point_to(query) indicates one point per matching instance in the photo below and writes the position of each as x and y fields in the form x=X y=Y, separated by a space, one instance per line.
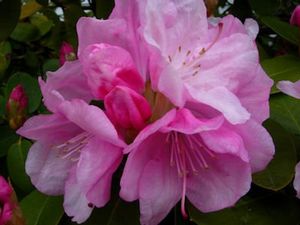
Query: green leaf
x=39 y=209
x=285 y=110
x=25 y=32
x=31 y=87
x=7 y=138
x=42 y=22
x=265 y=7
x=50 y=65
x=283 y=29
x=5 y=51
x=103 y=8
x=262 y=209
x=16 y=157
x=281 y=169
x=282 y=68
x=29 y=9
x=9 y=16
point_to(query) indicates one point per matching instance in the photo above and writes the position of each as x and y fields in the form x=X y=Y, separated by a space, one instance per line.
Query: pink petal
x=91 y=119
x=107 y=66
x=258 y=142
x=297 y=180
x=126 y=108
x=47 y=170
x=159 y=189
x=98 y=161
x=224 y=101
x=52 y=129
x=289 y=88
x=65 y=84
x=252 y=28
x=75 y=203
x=225 y=141
x=295 y=18
x=226 y=180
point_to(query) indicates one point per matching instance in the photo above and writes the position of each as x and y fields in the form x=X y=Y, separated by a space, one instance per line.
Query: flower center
x=188 y=154
x=71 y=149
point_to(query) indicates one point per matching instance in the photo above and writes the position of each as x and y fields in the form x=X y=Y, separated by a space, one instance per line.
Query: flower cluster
x=184 y=96
x=6 y=204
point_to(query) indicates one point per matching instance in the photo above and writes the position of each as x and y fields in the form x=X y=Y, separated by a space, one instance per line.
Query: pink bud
x=126 y=108
x=16 y=107
x=295 y=18
x=6 y=205
x=66 y=53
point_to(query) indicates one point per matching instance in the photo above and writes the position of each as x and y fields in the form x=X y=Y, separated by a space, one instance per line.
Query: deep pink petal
x=295 y=18
x=76 y=204
x=160 y=188
x=107 y=66
x=297 y=180
x=52 y=129
x=65 y=84
x=226 y=180
x=290 y=88
x=126 y=108
x=47 y=169
x=91 y=119
x=98 y=161
x=258 y=143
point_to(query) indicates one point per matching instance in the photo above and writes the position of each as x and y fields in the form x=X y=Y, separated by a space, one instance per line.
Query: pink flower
x=66 y=53
x=77 y=150
x=16 y=107
x=289 y=88
x=297 y=180
x=6 y=204
x=295 y=18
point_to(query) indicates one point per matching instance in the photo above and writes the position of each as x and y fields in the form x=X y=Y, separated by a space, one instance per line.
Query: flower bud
x=17 y=107
x=66 y=53
x=295 y=18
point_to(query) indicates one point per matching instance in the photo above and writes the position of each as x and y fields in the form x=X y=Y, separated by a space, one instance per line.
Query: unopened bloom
x=16 y=107
x=295 y=18
x=77 y=150
x=66 y=53
x=6 y=204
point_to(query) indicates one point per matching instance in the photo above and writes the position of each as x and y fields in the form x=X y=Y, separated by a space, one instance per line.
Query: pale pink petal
x=52 y=129
x=76 y=204
x=170 y=24
x=224 y=101
x=290 y=88
x=47 y=169
x=98 y=161
x=91 y=119
x=69 y=82
x=258 y=143
x=126 y=108
x=297 y=180
x=225 y=141
x=107 y=66
x=252 y=28
x=225 y=181
x=160 y=188
x=135 y=164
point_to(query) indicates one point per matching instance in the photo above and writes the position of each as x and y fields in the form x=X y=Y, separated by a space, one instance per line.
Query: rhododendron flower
x=6 y=204
x=295 y=18
x=77 y=150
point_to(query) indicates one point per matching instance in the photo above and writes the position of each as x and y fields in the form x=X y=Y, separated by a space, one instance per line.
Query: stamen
x=220 y=26
x=170 y=59
x=179 y=49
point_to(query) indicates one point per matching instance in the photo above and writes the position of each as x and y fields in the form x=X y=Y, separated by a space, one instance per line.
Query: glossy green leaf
x=282 y=68
x=103 y=8
x=263 y=209
x=25 y=32
x=5 y=51
x=285 y=110
x=43 y=24
x=16 y=157
x=283 y=29
x=29 y=8
x=9 y=16
x=281 y=170
x=50 y=65
x=265 y=7
x=31 y=87
x=7 y=138
x=39 y=209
